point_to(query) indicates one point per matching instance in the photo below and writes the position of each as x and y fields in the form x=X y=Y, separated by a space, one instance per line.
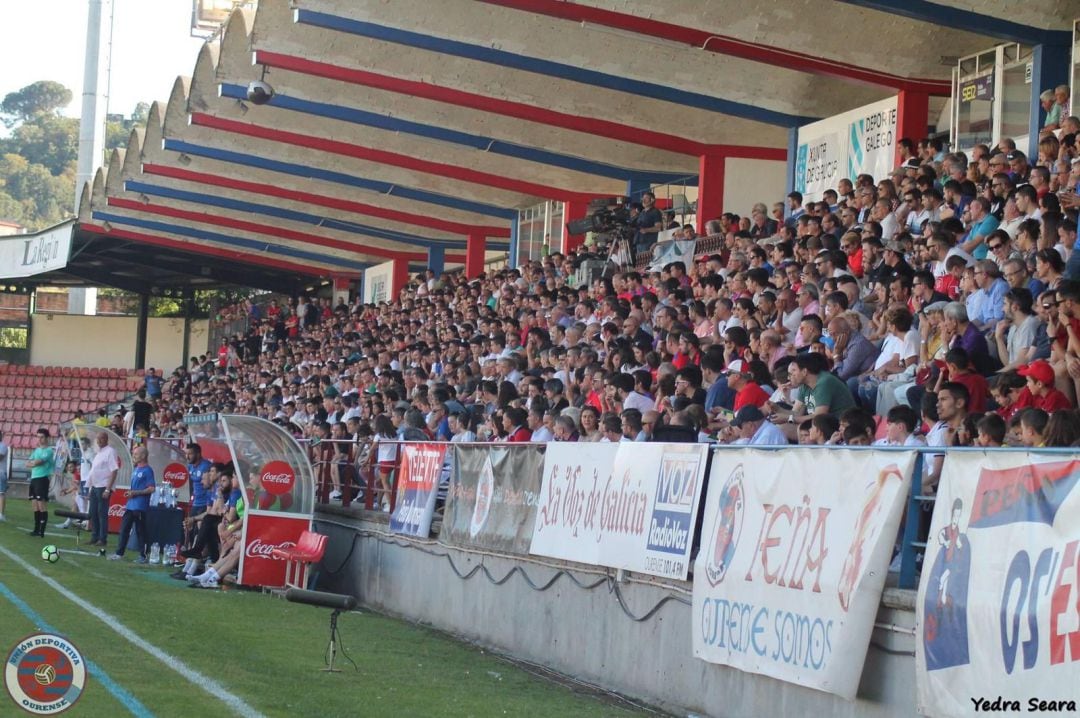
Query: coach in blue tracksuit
x=138 y=503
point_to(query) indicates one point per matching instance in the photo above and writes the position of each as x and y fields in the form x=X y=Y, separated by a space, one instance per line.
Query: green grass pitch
x=258 y=647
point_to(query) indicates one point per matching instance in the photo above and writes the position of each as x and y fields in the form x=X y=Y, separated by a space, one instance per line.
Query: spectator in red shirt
x=747 y=392
x=1040 y=383
x=958 y=370
x=688 y=352
x=514 y=420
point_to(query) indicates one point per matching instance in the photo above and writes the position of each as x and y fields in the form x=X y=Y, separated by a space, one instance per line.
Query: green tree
x=38 y=159
x=38 y=98
x=44 y=198
x=47 y=140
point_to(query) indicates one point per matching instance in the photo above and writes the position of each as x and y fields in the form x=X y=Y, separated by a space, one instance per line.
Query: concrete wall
x=586 y=634
x=747 y=182
x=66 y=340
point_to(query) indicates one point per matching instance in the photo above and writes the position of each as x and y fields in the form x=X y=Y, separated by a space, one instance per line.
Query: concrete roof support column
x=912 y=117
x=636 y=187
x=436 y=259
x=399 y=278
x=1049 y=68
x=474 y=255
x=710 y=204
x=140 y=331
x=573 y=211
x=792 y=159
x=512 y=259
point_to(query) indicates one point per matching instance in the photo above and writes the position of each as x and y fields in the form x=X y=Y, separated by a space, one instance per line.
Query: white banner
x=794 y=550
x=998 y=613
x=860 y=141
x=378 y=283
x=820 y=162
x=625 y=505
x=681 y=250
x=25 y=255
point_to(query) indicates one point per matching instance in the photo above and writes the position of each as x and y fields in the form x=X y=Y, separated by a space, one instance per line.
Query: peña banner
x=417 y=485
x=795 y=546
x=493 y=495
x=625 y=505
x=998 y=613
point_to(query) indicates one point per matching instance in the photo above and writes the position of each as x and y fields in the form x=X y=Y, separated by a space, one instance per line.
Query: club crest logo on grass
x=45 y=674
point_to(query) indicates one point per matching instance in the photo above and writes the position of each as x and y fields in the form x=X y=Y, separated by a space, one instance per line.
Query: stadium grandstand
x=760 y=325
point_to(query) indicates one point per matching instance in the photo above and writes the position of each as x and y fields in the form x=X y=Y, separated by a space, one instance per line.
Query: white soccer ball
x=50 y=554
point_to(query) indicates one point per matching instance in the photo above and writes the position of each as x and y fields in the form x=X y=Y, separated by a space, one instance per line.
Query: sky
x=46 y=40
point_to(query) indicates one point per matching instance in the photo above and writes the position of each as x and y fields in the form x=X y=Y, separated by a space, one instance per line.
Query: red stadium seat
x=308 y=550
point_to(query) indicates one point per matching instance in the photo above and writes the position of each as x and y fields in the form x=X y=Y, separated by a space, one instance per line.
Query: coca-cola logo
x=259 y=549
x=175 y=475
x=277 y=478
x=116 y=510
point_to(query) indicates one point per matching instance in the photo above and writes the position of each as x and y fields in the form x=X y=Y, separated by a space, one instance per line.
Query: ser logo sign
x=45 y=674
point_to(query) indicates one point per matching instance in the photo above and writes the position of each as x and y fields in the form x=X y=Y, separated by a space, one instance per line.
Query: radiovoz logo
x=727 y=525
x=45 y=674
x=259 y=549
x=670 y=527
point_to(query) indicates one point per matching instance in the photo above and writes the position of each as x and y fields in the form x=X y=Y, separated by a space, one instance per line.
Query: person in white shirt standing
x=103 y=470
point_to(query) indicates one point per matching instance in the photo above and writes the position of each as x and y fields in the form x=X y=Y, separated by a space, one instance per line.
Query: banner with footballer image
x=795 y=546
x=998 y=612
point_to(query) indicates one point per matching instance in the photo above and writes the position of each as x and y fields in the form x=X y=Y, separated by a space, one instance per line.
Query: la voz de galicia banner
x=624 y=505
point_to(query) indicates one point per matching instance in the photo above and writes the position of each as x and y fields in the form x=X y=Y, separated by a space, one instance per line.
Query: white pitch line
x=206 y=683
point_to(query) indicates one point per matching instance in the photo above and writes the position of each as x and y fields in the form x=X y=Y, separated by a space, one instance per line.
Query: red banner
x=117 y=507
x=263 y=534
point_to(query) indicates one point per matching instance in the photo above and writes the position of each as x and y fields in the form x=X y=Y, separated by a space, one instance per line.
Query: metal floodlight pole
x=91 y=121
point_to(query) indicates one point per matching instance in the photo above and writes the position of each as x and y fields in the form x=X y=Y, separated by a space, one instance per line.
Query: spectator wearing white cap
x=740 y=380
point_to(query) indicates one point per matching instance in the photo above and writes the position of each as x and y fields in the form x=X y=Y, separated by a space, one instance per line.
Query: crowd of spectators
x=939 y=305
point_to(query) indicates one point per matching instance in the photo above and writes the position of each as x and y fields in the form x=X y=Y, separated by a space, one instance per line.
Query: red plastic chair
x=308 y=550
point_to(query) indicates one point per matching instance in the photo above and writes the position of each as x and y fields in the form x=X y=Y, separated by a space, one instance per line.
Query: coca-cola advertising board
x=262 y=534
x=117 y=504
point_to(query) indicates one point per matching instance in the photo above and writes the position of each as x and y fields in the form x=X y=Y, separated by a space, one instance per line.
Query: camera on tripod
x=609 y=215
x=610 y=221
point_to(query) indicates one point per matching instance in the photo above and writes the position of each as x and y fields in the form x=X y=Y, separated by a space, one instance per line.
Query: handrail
x=918 y=503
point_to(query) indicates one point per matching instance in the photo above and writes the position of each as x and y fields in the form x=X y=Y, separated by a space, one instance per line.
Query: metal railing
x=911 y=541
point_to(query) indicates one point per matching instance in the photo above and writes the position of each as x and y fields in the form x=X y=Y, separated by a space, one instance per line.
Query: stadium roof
x=399 y=127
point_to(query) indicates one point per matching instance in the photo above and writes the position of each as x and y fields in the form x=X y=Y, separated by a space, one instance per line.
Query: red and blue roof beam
x=725 y=45
x=622 y=132
x=384 y=157
x=549 y=68
x=342 y=178
x=254 y=247
x=345 y=205
x=1051 y=49
x=958 y=18
x=485 y=144
x=261 y=260
x=238 y=205
x=271 y=230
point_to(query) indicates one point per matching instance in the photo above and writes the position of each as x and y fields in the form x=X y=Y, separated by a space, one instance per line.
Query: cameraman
x=648 y=222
